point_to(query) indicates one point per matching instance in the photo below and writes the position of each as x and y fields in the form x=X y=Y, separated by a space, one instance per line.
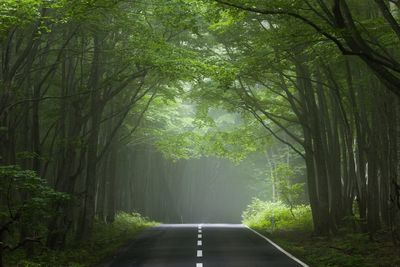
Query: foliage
x=184 y=129
x=27 y=202
x=277 y=216
x=107 y=239
x=289 y=192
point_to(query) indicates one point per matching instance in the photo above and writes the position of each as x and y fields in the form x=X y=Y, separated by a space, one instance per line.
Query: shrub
x=277 y=216
x=26 y=201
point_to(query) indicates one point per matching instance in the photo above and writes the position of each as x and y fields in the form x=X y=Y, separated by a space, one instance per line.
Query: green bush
x=125 y=224
x=277 y=216
x=26 y=201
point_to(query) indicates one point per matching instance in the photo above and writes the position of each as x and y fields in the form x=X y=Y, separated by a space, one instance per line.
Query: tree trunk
x=85 y=226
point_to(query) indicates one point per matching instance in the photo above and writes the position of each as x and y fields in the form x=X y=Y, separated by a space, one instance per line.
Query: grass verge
x=345 y=250
x=292 y=230
x=106 y=240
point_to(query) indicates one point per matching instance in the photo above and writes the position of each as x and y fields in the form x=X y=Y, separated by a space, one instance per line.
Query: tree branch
x=329 y=36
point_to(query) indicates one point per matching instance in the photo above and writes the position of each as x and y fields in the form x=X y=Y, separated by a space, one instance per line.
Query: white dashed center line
x=199 y=243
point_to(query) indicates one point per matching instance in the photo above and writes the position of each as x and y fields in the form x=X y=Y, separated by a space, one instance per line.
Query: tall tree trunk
x=85 y=226
x=111 y=183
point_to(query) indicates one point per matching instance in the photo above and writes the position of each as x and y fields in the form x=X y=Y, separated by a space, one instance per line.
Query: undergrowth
x=106 y=240
x=277 y=216
x=292 y=230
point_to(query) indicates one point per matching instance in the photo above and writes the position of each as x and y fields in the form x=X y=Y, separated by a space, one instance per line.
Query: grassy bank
x=345 y=250
x=292 y=230
x=106 y=240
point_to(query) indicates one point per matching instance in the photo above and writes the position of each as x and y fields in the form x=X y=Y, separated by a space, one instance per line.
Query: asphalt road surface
x=203 y=245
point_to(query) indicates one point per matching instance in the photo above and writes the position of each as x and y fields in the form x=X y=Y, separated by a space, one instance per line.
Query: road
x=204 y=245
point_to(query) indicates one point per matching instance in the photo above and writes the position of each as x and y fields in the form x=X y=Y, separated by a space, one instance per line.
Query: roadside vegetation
x=292 y=230
x=107 y=240
x=275 y=217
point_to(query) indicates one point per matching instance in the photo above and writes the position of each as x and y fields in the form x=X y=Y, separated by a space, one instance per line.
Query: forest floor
x=107 y=240
x=346 y=250
x=292 y=230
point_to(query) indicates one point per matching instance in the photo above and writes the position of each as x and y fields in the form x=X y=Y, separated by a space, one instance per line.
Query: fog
x=204 y=190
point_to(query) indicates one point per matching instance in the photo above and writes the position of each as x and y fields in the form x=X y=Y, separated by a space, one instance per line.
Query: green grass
x=294 y=234
x=346 y=250
x=106 y=240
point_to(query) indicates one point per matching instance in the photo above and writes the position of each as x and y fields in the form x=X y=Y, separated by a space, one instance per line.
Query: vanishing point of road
x=203 y=245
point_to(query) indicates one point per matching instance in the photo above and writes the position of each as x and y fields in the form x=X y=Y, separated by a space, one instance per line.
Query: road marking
x=199 y=243
x=278 y=247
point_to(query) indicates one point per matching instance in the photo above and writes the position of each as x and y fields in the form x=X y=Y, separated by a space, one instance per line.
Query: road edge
x=277 y=246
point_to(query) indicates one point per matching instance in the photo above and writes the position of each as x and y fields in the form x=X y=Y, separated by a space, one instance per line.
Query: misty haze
x=199 y=133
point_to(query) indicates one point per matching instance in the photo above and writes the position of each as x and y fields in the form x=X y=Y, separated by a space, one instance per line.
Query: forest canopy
x=97 y=97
